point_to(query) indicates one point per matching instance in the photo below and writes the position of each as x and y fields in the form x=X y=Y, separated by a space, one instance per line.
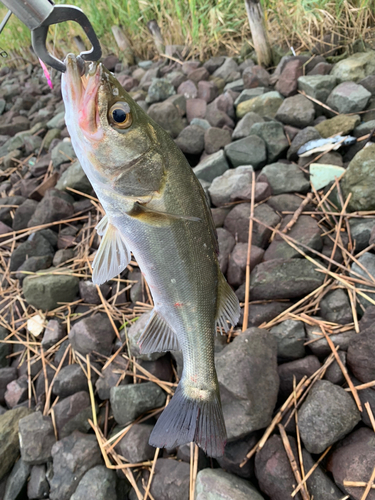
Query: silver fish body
x=156 y=208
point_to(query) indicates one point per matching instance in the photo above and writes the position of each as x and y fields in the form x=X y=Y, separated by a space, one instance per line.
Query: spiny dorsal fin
x=228 y=307
x=158 y=336
x=112 y=256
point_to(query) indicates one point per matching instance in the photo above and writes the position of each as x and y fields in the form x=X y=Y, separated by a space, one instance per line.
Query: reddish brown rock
x=287 y=84
x=195 y=108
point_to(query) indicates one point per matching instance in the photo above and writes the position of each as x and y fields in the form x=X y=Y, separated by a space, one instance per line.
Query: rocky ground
x=76 y=394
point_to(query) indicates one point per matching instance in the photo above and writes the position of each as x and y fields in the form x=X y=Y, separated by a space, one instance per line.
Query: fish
x=155 y=208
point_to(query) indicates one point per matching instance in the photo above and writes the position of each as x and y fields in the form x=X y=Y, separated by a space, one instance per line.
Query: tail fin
x=185 y=420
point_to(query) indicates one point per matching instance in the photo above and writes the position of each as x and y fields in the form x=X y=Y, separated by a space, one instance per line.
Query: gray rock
x=89 y=293
x=5 y=350
x=251 y=151
x=159 y=90
x=130 y=401
x=237 y=263
x=320 y=346
x=231 y=181
x=9 y=443
x=366 y=396
x=226 y=244
x=355 y=67
x=134 y=333
x=72 y=414
x=17 y=391
x=286 y=203
x=335 y=307
x=74 y=177
x=33 y=264
x=36 y=438
x=334 y=373
x=348 y=97
x=290 y=337
x=248 y=400
x=53 y=333
x=359 y=179
x=134 y=445
x=360 y=356
x=6 y=376
x=364 y=128
x=226 y=69
x=285 y=178
x=201 y=122
x=244 y=125
x=273 y=135
x=317 y=86
x=92 y=334
x=99 y=483
x=215 y=484
x=56 y=205
x=265 y=105
x=214 y=63
x=70 y=380
x=62 y=256
x=35 y=246
x=72 y=457
x=38 y=486
x=110 y=378
x=23 y=214
x=249 y=94
x=306 y=231
x=327 y=415
x=297 y=111
x=62 y=153
x=211 y=167
x=45 y=291
x=215 y=139
x=296 y=370
x=262 y=313
x=17 y=480
x=191 y=140
x=367 y=260
x=167 y=115
x=304 y=136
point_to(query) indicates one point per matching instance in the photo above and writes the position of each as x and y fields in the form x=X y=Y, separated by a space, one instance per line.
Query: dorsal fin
x=157 y=336
x=112 y=256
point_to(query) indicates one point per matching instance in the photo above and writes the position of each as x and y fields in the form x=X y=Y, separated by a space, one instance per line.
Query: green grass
x=208 y=26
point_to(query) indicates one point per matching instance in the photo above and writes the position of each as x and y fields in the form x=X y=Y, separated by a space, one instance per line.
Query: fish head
x=114 y=139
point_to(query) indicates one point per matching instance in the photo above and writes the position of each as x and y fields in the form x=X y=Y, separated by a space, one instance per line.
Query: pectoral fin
x=151 y=216
x=228 y=307
x=157 y=336
x=112 y=256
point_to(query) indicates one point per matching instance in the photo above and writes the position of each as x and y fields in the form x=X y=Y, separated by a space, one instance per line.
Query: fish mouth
x=81 y=85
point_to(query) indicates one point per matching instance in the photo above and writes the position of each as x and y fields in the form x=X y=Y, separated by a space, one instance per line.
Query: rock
x=355 y=67
x=62 y=153
x=167 y=116
x=134 y=445
x=110 y=378
x=277 y=480
x=248 y=400
x=180 y=102
x=70 y=380
x=255 y=76
x=287 y=83
x=53 y=207
x=237 y=223
x=199 y=74
x=335 y=307
x=207 y=91
x=9 y=443
x=130 y=401
x=222 y=187
x=226 y=243
x=17 y=391
x=249 y=94
x=359 y=180
x=364 y=128
x=201 y=122
x=361 y=230
x=72 y=414
x=37 y=486
x=360 y=357
x=5 y=350
x=218 y=215
x=53 y=333
x=92 y=334
x=99 y=483
x=296 y=370
x=215 y=139
x=72 y=457
x=305 y=231
x=23 y=214
x=62 y=256
x=297 y=111
x=320 y=347
x=89 y=293
x=214 y=63
x=159 y=90
x=348 y=97
x=211 y=167
x=273 y=135
x=327 y=415
x=237 y=263
x=191 y=140
x=46 y=291
x=17 y=480
x=262 y=191
x=354 y=461
x=262 y=313
x=367 y=260
x=224 y=70
x=285 y=178
x=196 y=108
x=304 y=136
x=317 y=86
x=340 y=124
x=189 y=66
x=74 y=177
x=33 y=264
x=216 y=116
x=250 y=150
x=322 y=68
x=334 y=373
x=322 y=174
x=234 y=453
x=290 y=337
x=7 y=375
x=244 y=125
x=36 y=438
x=215 y=484
x=188 y=89
x=265 y=105
x=35 y=246
x=134 y=333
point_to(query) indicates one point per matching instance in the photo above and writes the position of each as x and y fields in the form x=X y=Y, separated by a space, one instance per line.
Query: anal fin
x=112 y=256
x=228 y=307
x=158 y=336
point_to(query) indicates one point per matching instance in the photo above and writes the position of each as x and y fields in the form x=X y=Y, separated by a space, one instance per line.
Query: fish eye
x=119 y=115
